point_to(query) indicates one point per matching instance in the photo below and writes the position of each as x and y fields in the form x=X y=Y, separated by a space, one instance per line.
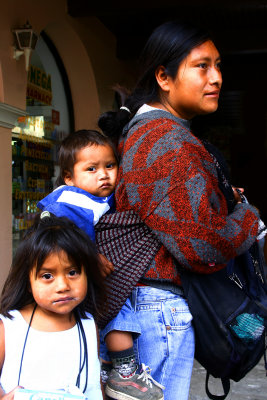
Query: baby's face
x=95 y=170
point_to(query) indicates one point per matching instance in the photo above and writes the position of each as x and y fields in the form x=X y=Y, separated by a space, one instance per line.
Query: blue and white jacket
x=81 y=207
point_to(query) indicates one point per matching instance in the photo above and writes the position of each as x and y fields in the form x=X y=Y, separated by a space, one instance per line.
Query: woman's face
x=195 y=89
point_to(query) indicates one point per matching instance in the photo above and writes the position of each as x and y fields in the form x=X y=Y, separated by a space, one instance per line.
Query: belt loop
x=133 y=298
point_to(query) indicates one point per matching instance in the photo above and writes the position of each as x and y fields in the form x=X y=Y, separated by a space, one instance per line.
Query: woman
x=169 y=178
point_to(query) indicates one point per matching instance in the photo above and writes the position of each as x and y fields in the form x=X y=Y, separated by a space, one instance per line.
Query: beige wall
x=80 y=73
x=87 y=50
x=108 y=70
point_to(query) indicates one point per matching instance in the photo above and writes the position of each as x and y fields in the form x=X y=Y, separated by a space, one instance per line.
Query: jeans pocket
x=178 y=316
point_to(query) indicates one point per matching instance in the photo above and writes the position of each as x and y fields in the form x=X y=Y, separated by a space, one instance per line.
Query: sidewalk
x=252 y=387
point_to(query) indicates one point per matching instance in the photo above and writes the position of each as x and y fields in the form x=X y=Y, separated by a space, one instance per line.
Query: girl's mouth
x=63 y=300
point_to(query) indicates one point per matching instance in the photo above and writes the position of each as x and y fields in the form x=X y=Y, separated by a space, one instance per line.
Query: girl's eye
x=47 y=276
x=91 y=169
x=73 y=272
x=219 y=65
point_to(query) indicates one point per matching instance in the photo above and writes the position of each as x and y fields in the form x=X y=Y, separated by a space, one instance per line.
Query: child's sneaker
x=105 y=371
x=139 y=385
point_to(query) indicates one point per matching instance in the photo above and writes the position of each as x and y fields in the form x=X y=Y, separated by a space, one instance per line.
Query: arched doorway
x=36 y=136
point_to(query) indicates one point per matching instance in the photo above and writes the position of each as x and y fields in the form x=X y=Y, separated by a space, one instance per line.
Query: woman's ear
x=162 y=78
x=68 y=178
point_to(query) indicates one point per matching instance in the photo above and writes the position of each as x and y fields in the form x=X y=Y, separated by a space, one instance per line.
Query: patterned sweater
x=170 y=179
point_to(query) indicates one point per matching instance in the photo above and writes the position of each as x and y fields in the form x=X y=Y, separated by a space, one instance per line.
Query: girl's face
x=195 y=89
x=58 y=286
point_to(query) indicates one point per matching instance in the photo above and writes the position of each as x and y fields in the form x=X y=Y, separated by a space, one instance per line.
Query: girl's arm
x=3 y=395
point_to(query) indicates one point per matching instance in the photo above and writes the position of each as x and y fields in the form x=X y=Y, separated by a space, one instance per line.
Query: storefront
x=71 y=73
x=36 y=136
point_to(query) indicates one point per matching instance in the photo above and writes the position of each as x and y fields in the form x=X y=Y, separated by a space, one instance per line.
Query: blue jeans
x=166 y=343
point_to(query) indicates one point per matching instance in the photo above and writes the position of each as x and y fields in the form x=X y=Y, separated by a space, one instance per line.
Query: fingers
x=10 y=395
x=237 y=193
x=106 y=267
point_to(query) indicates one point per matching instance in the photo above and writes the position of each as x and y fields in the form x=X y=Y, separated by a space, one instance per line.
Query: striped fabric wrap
x=131 y=246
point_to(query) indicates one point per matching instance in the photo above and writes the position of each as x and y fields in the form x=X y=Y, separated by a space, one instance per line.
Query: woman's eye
x=203 y=65
x=47 y=276
x=219 y=65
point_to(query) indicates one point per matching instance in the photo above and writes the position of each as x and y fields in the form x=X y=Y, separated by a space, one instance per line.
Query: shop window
x=36 y=136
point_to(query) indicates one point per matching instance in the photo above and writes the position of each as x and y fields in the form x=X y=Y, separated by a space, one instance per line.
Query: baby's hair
x=48 y=235
x=75 y=142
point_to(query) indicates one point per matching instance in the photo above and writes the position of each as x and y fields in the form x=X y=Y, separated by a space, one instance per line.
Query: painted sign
x=39 y=86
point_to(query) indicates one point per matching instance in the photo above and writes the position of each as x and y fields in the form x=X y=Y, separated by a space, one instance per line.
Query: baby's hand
x=106 y=267
x=8 y=396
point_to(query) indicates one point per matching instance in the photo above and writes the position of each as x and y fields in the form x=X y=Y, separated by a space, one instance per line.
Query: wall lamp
x=26 y=40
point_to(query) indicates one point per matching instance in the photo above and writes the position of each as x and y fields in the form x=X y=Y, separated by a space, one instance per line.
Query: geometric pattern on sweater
x=170 y=180
x=195 y=185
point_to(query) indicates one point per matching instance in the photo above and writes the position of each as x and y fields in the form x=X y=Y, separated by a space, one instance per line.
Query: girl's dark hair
x=73 y=143
x=167 y=46
x=52 y=235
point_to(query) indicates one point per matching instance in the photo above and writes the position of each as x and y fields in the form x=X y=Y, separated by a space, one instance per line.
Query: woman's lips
x=213 y=94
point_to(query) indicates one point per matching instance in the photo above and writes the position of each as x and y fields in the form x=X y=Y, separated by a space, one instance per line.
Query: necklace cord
x=80 y=358
x=25 y=341
x=85 y=352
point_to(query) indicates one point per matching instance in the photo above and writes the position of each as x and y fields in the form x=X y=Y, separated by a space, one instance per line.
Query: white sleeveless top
x=51 y=359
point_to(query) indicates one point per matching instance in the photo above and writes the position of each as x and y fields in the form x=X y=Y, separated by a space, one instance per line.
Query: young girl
x=47 y=339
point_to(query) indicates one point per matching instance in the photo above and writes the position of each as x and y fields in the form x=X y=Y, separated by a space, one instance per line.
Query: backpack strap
x=264 y=354
x=225 y=385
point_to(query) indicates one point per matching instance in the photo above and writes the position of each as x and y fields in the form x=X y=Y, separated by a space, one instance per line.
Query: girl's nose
x=62 y=284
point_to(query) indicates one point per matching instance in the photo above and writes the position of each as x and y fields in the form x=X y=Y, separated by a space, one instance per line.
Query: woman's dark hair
x=75 y=142
x=50 y=235
x=167 y=46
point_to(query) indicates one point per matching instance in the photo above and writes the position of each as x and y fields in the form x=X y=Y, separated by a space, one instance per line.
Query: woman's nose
x=215 y=76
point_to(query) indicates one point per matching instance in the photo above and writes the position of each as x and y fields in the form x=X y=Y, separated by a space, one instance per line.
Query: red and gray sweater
x=170 y=180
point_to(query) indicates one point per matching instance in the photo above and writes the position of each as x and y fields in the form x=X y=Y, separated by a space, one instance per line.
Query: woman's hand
x=237 y=192
x=10 y=395
x=106 y=267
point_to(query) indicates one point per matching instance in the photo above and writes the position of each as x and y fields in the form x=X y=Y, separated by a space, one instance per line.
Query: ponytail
x=112 y=122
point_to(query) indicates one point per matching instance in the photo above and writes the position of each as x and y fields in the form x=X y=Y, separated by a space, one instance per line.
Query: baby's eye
x=91 y=169
x=47 y=276
x=111 y=165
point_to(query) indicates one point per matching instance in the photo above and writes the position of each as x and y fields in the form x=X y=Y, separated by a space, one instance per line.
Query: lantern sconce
x=26 y=40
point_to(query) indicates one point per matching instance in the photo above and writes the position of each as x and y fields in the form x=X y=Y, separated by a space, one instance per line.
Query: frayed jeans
x=163 y=337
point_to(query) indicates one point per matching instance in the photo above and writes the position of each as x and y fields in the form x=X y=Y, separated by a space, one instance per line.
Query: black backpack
x=229 y=309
